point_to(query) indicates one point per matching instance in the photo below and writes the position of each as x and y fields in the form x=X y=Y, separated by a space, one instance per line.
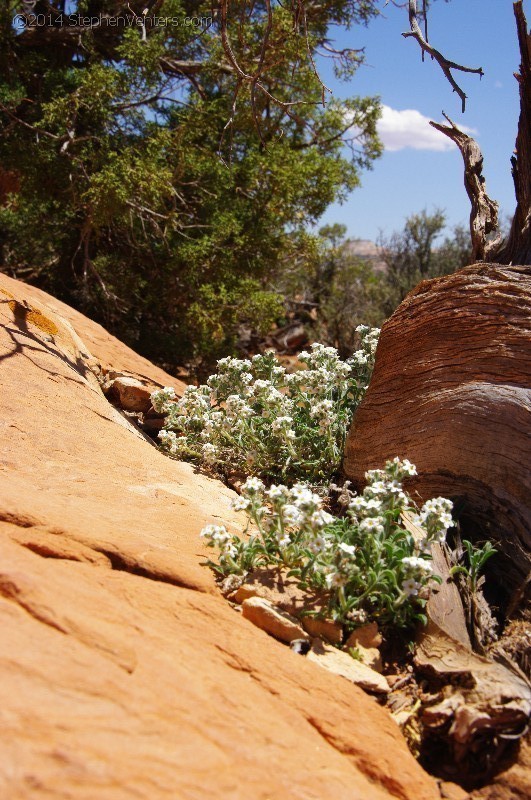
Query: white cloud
x=409 y=128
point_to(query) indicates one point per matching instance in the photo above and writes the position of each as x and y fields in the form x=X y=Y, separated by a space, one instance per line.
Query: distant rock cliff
x=366 y=250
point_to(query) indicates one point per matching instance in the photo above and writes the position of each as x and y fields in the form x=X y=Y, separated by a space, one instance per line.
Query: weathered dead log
x=451 y=391
x=479 y=708
x=481 y=711
x=474 y=709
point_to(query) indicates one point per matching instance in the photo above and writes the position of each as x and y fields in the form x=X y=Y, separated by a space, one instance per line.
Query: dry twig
x=446 y=65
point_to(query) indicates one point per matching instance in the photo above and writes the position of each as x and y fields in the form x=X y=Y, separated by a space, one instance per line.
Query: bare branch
x=227 y=47
x=443 y=62
x=484 y=213
x=149 y=211
x=309 y=51
x=174 y=66
x=38 y=131
x=229 y=125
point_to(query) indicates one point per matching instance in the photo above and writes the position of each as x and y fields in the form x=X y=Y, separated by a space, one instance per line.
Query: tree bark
x=451 y=391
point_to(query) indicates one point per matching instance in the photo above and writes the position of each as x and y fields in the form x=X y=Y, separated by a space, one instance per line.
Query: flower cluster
x=435 y=517
x=254 y=417
x=367 y=563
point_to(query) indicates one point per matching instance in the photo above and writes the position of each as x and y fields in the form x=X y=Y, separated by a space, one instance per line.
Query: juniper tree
x=155 y=189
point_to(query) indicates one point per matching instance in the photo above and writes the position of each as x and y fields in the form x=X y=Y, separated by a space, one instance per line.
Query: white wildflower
x=373 y=475
x=376 y=488
x=240 y=503
x=334 y=580
x=163 y=398
x=349 y=549
x=303 y=497
x=261 y=385
x=416 y=563
x=358 y=504
x=276 y=492
x=252 y=485
x=209 y=453
x=410 y=587
x=322 y=409
x=291 y=514
x=216 y=533
x=318 y=544
x=281 y=423
x=372 y=525
x=320 y=518
x=168 y=439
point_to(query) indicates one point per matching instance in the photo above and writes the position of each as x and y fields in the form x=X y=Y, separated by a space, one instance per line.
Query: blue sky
x=407 y=179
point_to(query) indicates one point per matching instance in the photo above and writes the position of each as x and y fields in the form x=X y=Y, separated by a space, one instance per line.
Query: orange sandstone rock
x=123 y=671
x=109 y=351
x=271 y=620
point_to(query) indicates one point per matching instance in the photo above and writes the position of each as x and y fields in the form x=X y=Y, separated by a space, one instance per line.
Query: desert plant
x=367 y=564
x=476 y=556
x=254 y=418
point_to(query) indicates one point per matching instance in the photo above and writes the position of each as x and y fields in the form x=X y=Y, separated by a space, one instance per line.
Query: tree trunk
x=517 y=248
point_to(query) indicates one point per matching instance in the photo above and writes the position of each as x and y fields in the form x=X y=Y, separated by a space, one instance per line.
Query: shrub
x=368 y=565
x=118 y=139
x=255 y=418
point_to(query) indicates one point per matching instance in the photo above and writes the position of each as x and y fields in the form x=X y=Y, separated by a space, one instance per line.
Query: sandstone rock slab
x=123 y=671
x=271 y=620
x=366 y=640
x=341 y=663
x=284 y=593
x=108 y=351
x=129 y=392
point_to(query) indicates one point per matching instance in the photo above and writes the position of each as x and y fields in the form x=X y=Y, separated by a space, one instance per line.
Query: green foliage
x=254 y=418
x=333 y=289
x=476 y=557
x=367 y=565
x=125 y=208
x=219 y=313
x=411 y=255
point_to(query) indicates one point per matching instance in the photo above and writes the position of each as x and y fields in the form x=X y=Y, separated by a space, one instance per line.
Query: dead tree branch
x=516 y=249
x=446 y=65
x=484 y=212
